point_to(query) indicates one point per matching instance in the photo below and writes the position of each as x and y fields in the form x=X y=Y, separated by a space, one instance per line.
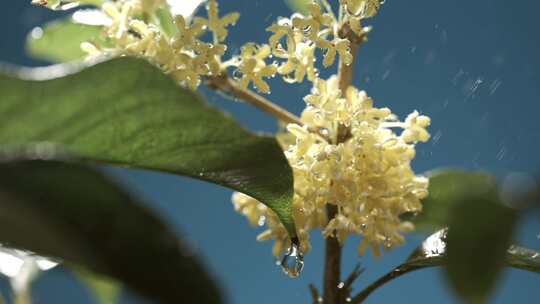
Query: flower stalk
x=229 y=86
x=333 y=249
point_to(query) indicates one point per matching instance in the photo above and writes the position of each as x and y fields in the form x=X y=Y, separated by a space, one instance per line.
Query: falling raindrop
x=494 y=86
x=293 y=262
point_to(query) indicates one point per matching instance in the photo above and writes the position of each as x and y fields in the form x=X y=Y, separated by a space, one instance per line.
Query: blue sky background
x=473 y=66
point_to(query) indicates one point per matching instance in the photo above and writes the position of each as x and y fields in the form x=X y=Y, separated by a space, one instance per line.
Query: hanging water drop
x=237 y=74
x=293 y=262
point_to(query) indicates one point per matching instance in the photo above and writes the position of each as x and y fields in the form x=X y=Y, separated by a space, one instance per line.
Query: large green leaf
x=448 y=188
x=433 y=253
x=60 y=40
x=72 y=212
x=127 y=112
x=479 y=235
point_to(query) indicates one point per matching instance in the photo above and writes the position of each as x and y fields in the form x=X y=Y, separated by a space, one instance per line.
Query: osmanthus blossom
x=355 y=159
x=183 y=55
x=367 y=176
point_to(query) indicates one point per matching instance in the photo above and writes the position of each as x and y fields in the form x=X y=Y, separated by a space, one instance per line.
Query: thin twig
x=227 y=85
x=397 y=272
x=346 y=289
x=314 y=294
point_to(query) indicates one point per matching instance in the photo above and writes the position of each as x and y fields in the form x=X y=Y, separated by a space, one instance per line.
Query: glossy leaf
x=74 y=213
x=446 y=189
x=480 y=233
x=433 y=253
x=128 y=113
x=60 y=41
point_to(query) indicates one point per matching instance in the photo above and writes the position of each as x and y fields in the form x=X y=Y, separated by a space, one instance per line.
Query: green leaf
x=104 y=289
x=166 y=21
x=480 y=233
x=433 y=253
x=127 y=112
x=60 y=40
x=72 y=212
x=299 y=5
x=448 y=188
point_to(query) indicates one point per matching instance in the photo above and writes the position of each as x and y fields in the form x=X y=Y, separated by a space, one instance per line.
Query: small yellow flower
x=300 y=62
x=208 y=58
x=361 y=8
x=280 y=29
x=120 y=15
x=336 y=46
x=216 y=24
x=187 y=36
x=313 y=23
x=253 y=67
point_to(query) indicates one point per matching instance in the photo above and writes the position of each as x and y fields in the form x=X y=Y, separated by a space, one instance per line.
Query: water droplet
x=36 y=33
x=341 y=285
x=293 y=262
x=261 y=221
x=324 y=132
x=237 y=74
x=289 y=78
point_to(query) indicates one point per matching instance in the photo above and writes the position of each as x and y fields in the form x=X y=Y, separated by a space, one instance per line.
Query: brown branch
x=227 y=85
x=332 y=264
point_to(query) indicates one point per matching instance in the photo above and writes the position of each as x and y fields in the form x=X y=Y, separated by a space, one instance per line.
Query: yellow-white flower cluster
x=135 y=30
x=364 y=172
x=295 y=40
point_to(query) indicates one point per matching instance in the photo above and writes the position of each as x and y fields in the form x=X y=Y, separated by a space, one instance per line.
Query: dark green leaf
x=127 y=112
x=479 y=235
x=60 y=41
x=432 y=253
x=69 y=211
x=446 y=189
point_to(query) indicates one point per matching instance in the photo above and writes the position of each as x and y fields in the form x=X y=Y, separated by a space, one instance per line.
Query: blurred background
x=472 y=66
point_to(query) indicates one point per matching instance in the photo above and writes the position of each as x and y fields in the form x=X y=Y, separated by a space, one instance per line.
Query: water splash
x=293 y=262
